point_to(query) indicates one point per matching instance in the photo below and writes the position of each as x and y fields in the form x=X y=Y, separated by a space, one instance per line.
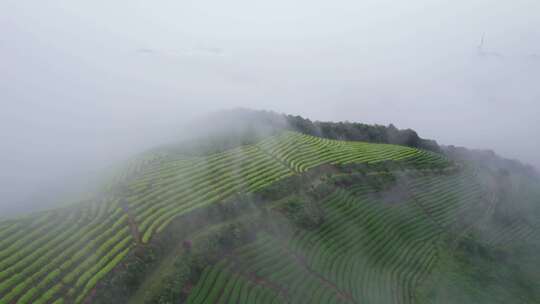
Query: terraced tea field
x=365 y=252
x=173 y=188
x=61 y=253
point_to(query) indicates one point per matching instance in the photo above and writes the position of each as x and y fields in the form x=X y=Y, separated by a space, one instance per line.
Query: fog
x=84 y=85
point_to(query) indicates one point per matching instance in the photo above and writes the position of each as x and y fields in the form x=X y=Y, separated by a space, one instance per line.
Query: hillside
x=281 y=215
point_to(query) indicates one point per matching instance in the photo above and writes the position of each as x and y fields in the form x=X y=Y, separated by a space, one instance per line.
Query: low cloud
x=534 y=56
x=146 y=51
x=191 y=51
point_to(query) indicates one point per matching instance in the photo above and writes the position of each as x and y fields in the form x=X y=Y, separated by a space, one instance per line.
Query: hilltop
x=272 y=208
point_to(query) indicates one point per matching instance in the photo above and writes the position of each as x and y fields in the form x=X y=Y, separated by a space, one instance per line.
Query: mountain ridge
x=205 y=215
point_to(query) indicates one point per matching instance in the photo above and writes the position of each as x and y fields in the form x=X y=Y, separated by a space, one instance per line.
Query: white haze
x=84 y=84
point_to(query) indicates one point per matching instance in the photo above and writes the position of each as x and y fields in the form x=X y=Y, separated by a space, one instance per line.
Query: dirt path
x=133 y=227
x=302 y=261
x=252 y=277
x=284 y=163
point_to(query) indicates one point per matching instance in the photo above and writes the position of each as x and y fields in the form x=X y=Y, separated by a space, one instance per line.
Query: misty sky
x=85 y=83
